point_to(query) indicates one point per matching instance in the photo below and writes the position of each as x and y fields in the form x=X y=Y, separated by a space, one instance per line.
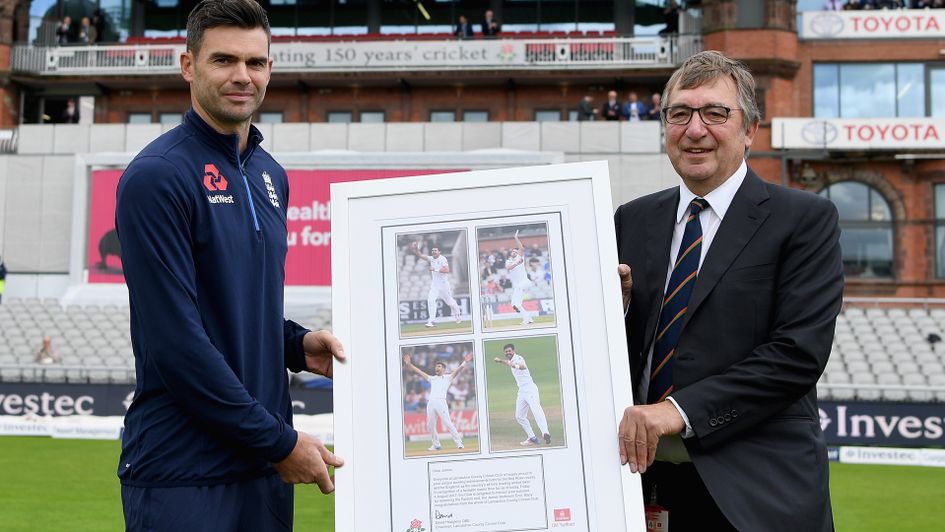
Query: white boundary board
x=576 y=482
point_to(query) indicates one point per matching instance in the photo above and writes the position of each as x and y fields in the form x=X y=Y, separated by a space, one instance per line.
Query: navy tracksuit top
x=203 y=241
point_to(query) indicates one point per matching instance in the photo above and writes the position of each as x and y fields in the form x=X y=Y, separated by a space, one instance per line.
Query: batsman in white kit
x=519 y=277
x=437 y=406
x=439 y=283
x=527 y=397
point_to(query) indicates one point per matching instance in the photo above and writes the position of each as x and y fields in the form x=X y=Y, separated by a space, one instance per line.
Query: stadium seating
x=878 y=353
x=92 y=343
x=886 y=351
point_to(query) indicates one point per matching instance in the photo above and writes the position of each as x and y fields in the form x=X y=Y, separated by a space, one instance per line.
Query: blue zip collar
x=229 y=144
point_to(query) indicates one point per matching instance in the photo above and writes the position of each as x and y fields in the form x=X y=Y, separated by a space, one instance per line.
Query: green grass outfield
x=541 y=357
x=58 y=485
x=516 y=323
x=55 y=485
x=444 y=326
x=421 y=447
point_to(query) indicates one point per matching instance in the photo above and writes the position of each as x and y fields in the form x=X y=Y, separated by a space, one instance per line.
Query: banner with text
x=57 y=399
x=880 y=24
x=465 y=420
x=308 y=214
x=874 y=423
x=396 y=55
x=858 y=134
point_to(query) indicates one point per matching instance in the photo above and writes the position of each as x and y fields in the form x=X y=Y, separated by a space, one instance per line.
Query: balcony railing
x=359 y=56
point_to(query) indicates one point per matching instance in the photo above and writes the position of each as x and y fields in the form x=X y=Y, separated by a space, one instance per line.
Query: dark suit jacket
x=611 y=112
x=754 y=342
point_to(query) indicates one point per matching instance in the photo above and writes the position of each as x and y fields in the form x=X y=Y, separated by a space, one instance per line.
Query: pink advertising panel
x=308 y=212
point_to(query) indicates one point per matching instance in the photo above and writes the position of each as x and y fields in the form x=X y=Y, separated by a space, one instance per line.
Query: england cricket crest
x=273 y=197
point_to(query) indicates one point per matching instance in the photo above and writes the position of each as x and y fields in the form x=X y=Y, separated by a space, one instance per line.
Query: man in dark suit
x=490 y=26
x=735 y=289
x=463 y=28
x=611 y=109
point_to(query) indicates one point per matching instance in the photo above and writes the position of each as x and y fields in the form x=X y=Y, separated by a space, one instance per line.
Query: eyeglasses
x=680 y=115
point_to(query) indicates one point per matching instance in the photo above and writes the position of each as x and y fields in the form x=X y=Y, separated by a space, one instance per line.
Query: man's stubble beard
x=213 y=101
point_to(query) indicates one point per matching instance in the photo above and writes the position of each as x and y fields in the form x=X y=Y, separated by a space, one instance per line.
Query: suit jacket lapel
x=659 y=238
x=743 y=218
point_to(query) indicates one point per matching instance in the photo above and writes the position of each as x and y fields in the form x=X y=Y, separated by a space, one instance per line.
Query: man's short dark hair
x=508 y=346
x=246 y=14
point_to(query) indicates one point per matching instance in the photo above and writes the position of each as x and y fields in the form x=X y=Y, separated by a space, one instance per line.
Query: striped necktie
x=675 y=304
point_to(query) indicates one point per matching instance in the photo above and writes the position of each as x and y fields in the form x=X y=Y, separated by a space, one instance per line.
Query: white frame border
x=342 y=194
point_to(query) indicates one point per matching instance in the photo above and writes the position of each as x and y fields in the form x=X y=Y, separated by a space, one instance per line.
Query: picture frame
x=473 y=399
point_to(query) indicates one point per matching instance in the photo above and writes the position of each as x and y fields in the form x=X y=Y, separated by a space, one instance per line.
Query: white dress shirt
x=671 y=449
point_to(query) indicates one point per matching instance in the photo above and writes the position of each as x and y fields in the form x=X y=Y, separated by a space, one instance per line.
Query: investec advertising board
x=858 y=133
x=57 y=400
x=887 y=424
x=880 y=24
x=308 y=213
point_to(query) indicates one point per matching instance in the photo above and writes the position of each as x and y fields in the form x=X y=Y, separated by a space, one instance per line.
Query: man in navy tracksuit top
x=208 y=441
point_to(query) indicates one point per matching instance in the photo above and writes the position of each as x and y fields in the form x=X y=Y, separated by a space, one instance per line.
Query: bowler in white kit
x=527 y=397
x=439 y=284
x=437 y=406
x=519 y=277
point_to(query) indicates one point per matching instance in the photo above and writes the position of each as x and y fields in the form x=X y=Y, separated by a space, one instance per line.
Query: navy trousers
x=261 y=505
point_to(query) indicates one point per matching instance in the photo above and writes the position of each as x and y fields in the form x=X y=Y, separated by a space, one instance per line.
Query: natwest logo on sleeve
x=213 y=179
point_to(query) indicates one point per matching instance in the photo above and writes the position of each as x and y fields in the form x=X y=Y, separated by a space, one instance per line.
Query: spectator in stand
x=46 y=353
x=412 y=401
x=671 y=17
x=492 y=287
x=633 y=110
x=505 y=282
x=611 y=109
x=655 y=108
x=70 y=115
x=851 y=5
x=487 y=262
x=64 y=31
x=98 y=22
x=463 y=28
x=500 y=256
x=833 y=5
x=490 y=26
x=586 y=109
x=87 y=32
x=3 y=278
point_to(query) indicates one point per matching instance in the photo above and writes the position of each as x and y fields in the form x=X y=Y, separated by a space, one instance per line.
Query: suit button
x=727 y=417
x=734 y=414
x=720 y=419
x=713 y=422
